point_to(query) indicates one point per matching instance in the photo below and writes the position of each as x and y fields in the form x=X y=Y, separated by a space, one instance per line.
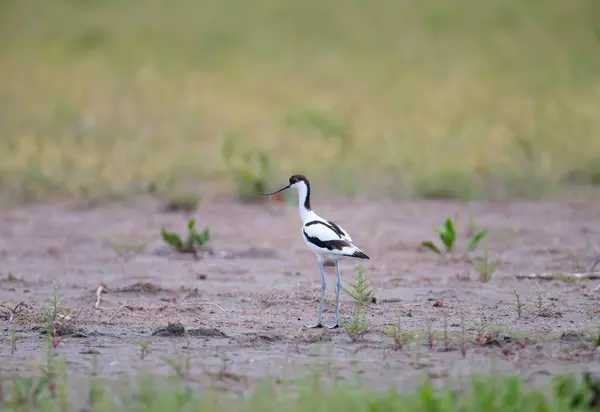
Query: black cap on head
x=298 y=178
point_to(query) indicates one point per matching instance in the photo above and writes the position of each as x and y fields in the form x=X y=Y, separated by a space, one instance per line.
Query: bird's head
x=295 y=182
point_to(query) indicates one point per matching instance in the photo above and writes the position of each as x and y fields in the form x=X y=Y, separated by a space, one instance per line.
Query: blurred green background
x=434 y=98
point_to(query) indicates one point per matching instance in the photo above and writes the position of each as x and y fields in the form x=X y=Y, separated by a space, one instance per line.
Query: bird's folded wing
x=325 y=231
x=339 y=229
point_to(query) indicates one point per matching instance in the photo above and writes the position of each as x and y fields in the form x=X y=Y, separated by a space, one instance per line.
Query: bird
x=326 y=239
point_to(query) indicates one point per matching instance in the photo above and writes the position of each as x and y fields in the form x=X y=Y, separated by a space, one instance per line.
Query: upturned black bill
x=277 y=191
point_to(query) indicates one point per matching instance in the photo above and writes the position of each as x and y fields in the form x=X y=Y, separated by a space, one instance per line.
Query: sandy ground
x=268 y=283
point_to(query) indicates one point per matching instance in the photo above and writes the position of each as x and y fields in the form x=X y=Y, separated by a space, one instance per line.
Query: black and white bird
x=328 y=241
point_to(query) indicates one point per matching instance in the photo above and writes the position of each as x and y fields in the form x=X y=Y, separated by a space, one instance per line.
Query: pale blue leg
x=338 y=298
x=319 y=323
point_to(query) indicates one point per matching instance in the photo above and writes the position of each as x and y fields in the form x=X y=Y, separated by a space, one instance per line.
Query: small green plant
x=144 y=348
x=193 y=242
x=448 y=237
x=446 y=339
x=60 y=320
x=542 y=308
x=538 y=301
x=519 y=305
x=462 y=338
x=13 y=337
x=484 y=266
x=249 y=169
x=11 y=314
x=53 y=316
x=397 y=333
x=126 y=250
x=362 y=294
x=430 y=337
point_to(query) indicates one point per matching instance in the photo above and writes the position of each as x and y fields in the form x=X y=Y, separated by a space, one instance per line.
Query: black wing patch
x=337 y=229
x=330 y=225
x=336 y=244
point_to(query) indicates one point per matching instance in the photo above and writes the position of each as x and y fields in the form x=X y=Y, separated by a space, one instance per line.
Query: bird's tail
x=359 y=254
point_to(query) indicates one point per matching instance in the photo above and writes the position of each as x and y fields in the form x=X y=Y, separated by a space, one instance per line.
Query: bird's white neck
x=304 y=202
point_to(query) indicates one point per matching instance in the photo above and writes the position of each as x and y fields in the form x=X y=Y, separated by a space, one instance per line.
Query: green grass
x=448 y=98
x=148 y=393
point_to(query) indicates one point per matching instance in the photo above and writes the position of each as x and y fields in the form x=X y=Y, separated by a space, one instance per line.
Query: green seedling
x=53 y=316
x=362 y=294
x=13 y=338
x=248 y=168
x=448 y=237
x=462 y=339
x=446 y=339
x=397 y=333
x=539 y=303
x=430 y=337
x=360 y=291
x=519 y=305
x=144 y=348
x=484 y=266
x=193 y=242
x=127 y=250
